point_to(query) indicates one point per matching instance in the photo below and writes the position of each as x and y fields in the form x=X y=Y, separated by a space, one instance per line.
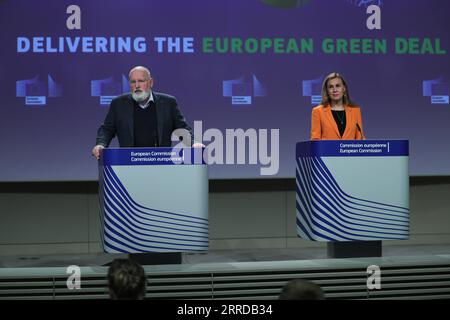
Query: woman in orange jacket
x=336 y=118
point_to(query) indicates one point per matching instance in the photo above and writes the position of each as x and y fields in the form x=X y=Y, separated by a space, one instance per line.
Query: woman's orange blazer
x=324 y=127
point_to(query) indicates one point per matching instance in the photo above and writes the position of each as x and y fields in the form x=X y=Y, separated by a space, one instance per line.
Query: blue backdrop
x=59 y=70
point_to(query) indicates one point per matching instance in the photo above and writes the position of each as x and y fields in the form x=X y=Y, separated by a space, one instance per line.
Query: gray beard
x=140 y=97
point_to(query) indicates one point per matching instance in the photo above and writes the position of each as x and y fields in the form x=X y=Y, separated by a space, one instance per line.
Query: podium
x=352 y=194
x=153 y=200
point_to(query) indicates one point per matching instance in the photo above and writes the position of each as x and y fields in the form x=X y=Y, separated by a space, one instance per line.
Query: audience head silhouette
x=126 y=280
x=299 y=289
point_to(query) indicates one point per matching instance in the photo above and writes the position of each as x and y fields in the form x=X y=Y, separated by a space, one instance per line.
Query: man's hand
x=198 y=145
x=96 y=151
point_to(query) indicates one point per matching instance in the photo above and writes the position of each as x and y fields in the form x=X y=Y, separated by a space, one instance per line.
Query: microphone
x=360 y=131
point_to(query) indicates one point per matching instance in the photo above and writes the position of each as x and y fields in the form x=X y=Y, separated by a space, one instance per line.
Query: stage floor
x=213 y=256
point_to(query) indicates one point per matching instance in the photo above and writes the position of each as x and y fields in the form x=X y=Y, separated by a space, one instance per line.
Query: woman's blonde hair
x=326 y=98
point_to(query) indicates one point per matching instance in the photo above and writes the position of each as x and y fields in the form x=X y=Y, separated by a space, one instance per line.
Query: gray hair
x=140 y=68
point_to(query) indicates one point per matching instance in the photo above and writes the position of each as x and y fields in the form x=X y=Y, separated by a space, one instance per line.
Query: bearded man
x=142 y=118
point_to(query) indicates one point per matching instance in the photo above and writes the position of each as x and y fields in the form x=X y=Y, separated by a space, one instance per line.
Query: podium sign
x=153 y=200
x=352 y=190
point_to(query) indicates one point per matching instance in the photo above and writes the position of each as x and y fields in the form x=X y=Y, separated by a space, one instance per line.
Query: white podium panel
x=354 y=190
x=153 y=200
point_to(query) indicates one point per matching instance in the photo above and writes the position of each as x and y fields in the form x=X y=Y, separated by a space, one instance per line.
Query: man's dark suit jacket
x=119 y=120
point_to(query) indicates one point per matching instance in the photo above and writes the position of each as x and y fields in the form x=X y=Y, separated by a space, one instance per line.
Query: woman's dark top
x=339 y=117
